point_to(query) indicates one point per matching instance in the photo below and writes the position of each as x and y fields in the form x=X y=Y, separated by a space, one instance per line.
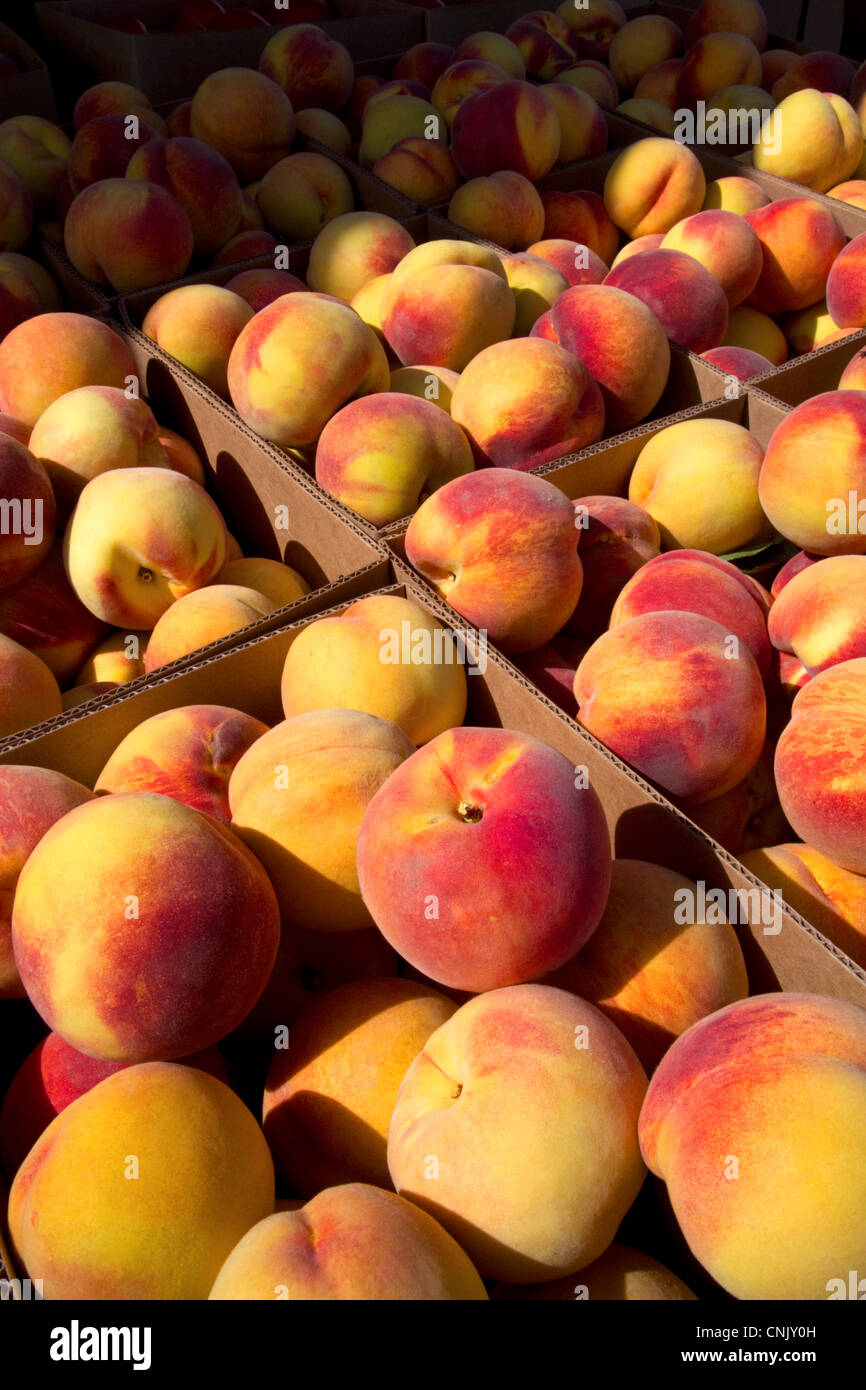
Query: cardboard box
x=27 y=92
x=166 y=66
x=82 y=295
x=815 y=372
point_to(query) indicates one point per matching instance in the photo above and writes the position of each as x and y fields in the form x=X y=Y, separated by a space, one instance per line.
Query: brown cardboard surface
x=29 y=91
x=815 y=372
x=80 y=294
x=166 y=66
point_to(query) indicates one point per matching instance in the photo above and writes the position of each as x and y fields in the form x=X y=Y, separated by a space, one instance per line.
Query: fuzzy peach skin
x=503 y=207
x=197 y=619
x=813 y=328
x=716 y=61
x=822 y=69
x=651 y=113
x=187 y=753
x=620 y=1275
x=16 y=218
x=774 y=63
x=312 y=68
x=128 y=236
x=32 y=799
x=526 y=402
x=500 y=546
x=853 y=377
x=423 y=170
x=594 y=25
x=206 y=1178
x=820 y=140
x=846 y=285
x=278 y=582
x=424 y=62
x=379 y=656
x=800 y=240
x=149 y=963
x=691 y=581
x=26 y=289
x=774 y=1082
x=202 y=181
x=432 y=847
x=393 y=118
x=726 y=245
x=733 y=193
x=261 y=287
x=461 y=80
x=756 y=332
x=382 y=454
x=832 y=899
x=107 y=97
x=580 y=216
x=354 y=249
x=652 y=185
x=820 y=764
x=52 y=1077
x=537 y=283
x=582 y=124
x=592 y=77
x=820 y=615
x=38 y=151
x=181 y=456
x=728 y=16
x=329 y=1096
x=15 y=429
x=430 y=383
x=620 y=340
x=48 y=355
x=43 y=614
x=663 y=694
x=367 y=304
x=447 y=310
x=740 y=363
x=246 y=118
x=852 y=191
x=652 y=972
x=139 y=539
x=325 y=127
x=301 y=193
x=616 y=539
x=814 y=473
x=677 y=479
x=246 y=246
x=491 y=47
x=89 y=431
x=351 y=1242
x=302 y=819
x=576 y=263
x=102 y=149
x=511 y=126
x=116 y=661
x=29 y=691
x=199 y=325
x=551 y=668
x=544 y=42
x=30 y=512
x=640 y=45
x=650 y=242
x=532 y=1081
x=688 y=301
x=659 y=83
x=297 y=362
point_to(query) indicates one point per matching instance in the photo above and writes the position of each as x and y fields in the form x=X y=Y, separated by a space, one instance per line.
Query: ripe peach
x=800 y=240
x=461 y=80
x=29 y=692
x=421 y=169
x=116 y=661
x=261 y=287
x=16 y=217
x=582 y=125
x=504 y=208
x=199 y=326
x=491 y=47
x=688 y=301
x=820 y=615
x=103 y=148
x=659 y=83
x=537 y=283
x=246 y=246
x=197 y=619
x=580 y=216
x=749 y=328
x=312 y=68
x=111 y=98
x=832 y=899
x=714 y=61
x=853 y=191
x=734 y=193
x=424 y=62
x=245 y=117
x=846 y=285
x=616 y=539
x=737 y=362
x=820 y=70
x=593 y=25
x=354 y=249
x=202 y=181
x=395 y=118
x=511 y=126
x=278 y=582
x=651 y=113
x=726 y=245
x=728 y=16
x=814 y=139
x=544 y=42
x=43 y=614
x=446 y=301
x=594 y=78
x=652 y=185
x=620 y=1275
x=29 y=511
x=429 y=383
x=639 y=46
x=128 y=235
x=299 y=194
x=38 y=151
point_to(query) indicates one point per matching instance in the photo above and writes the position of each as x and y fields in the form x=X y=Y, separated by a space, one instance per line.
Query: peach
x=89 y=431
x=832 y=899
x=352 y=1242
x=38 y=151
x=511 y=126
x=767 y=1085
x=128 y=235
x=536 y=282
x=487 y=1086
x=326 y=128
x=278 y=582
x=495 y=402
x=593 y=25
x=813 y=328
x=459 y=81
x=424 y=62
x=353 y=112
x=733 y=193
x=180 y=977
x=715 y=61
x=491 y=47
x=251 y=217
x=853 y=191
x=652 y=185
x=29 y=512
x=201 y=180
x=179 y=120
x=245 y=117
x=651 y=113
x=261 y=287
x=775 y=62
x=246 y=246
x=384 y=656
x=52 y=1077
x=103 y=148
x=504 y=208
x=659 y=83
x=110 y=98
x=800 y=239
x=726 y=245
x=854 y=375
x=29 y=692
x=656 y=980
x=688 y=301
x=616 y=539
x=302 y=821
x=846 y=285
x=820 y=616
x=640 y=45
x=650 y=242
x=690 y=581
x=326 y=1108
x=367 y=304
x=421 y=169
x=582 y=124
x=379 y=455
x=298 y=195
x=728 y=16
x=197 y=619
x=209 y=1177
x=684 y=461
x=429 y=383
x=740 y=363
x=26 y=289
x=44 y=614
x=187 y=753
x=489 y=543
x=551 y=667
x=199 y=325
x=445 y=302
x=16 y=209
x=814 y=139
x=620 y=1275
x=580 y=216
x=447 y=808
x=812 y=479
x=820 y=70
x=622 y=344
x=594 y=78
x=116 y=661
x=139 y=539
x=297 y=362
x=392 y=119
x=544 y=42
x=33 y=799
x=312 y=68
x=750 y=329
x=82 y=694
x=694 y=736
x=15 y=429
x=354 y=249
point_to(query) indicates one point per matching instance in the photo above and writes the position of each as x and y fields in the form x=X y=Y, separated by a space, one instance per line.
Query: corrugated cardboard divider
x=170 y=66
x=27 y=92
x=815 y=372
x=81 y=295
